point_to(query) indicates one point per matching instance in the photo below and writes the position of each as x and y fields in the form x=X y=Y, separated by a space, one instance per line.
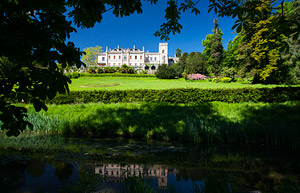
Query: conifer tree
x=213 y=49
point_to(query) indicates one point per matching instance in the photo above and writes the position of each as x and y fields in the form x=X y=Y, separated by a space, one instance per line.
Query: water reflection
x=117 y=173
x=205 y=170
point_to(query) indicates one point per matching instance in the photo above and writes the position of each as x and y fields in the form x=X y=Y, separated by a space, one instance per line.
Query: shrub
x=143 y=72
x=91 y=70
x=215 y=80
x=116 y=75
x=196 y=77
x=184 y=75
x=73 y=75
x=165 y=72
x=225 y=79
x=228 y=72
x=99 y=70
x=278 y=94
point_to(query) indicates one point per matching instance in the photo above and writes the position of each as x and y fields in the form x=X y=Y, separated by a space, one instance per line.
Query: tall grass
x=215 y=122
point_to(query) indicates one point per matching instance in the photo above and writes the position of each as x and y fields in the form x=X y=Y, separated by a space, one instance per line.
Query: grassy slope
x=215 y=122
x=124 y=83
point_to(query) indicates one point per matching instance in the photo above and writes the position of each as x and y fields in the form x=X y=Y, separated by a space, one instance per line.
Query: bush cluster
x=278 y=94
x=196 y=77
x=115 y=75
x=165 y=72
x=108 y=69
x=223 y=79
x=73 y=75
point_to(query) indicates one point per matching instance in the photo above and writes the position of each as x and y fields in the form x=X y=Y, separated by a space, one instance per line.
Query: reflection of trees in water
x=36 y=167
x=63 y=170
x=87 y=182
x=12 y=177
x=217 y=180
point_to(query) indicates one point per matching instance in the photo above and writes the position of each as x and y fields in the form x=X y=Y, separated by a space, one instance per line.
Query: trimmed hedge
x=278 y=94
x=115 y=75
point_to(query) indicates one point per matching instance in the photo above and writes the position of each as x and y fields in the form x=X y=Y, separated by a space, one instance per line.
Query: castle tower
x=163 y=53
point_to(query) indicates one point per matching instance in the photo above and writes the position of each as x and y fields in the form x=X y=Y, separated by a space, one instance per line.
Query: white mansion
x=139 y=59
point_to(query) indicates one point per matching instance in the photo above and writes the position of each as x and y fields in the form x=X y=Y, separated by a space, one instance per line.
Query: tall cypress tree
x=213 y=49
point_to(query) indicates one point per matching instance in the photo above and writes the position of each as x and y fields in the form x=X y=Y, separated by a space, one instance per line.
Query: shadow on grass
x=270 y=124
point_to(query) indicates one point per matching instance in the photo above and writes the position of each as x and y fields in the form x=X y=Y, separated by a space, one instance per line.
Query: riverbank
x=78 y=161
x=270 y=124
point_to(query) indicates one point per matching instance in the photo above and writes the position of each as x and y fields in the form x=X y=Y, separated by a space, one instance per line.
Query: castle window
x=135 y=57
x=154 y=58
x=119 y=57
x=163 y=51
x=135 y=64
x=114 y=57
x=125 y=57
x=108 y=57
x=103 y=58
x=130 y=57
x=150 y=58
x=141 y=57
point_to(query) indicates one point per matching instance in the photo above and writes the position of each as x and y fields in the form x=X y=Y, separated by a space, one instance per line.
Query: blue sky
x=138 y=30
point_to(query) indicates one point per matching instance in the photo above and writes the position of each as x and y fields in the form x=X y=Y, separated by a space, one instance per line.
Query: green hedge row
x=278 y=94
x=115 y=75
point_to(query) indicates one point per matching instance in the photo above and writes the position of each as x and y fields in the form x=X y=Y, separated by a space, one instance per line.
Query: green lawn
x=124 y=83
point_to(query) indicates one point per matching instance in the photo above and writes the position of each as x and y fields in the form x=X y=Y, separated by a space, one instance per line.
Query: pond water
x=116 y=165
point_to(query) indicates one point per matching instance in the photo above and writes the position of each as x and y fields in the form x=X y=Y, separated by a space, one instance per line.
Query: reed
x=274 y=124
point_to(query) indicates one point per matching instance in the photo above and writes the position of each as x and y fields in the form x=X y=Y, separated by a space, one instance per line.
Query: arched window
x=163 y=51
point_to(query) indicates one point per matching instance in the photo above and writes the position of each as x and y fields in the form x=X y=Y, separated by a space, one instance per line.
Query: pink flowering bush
x=196 y=77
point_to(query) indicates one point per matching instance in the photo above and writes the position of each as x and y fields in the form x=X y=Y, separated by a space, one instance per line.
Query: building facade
x=132 y=57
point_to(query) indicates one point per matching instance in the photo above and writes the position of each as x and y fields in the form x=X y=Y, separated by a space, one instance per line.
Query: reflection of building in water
x=116 y=172
x=160 y=173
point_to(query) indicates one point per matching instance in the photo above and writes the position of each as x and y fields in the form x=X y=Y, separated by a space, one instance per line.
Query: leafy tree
x=207 y=46
x=165 y=72
x=291 y=56
x=232 y=53
x=178 y=53
x=264 y=34
x=213 y=49
x=91 y=55
x=180 y=66
x=196 y=64
x=266 y=43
